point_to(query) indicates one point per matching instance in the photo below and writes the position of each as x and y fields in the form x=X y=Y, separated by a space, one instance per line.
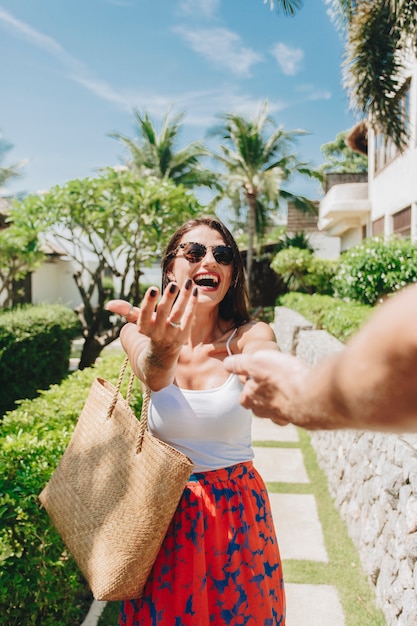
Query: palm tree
x=379 y=36
x=156 y=155
x=256 y=165
x=288 y=7
x=7 y=173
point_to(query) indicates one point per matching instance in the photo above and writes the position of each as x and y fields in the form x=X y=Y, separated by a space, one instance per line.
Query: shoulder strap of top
x=229 y=352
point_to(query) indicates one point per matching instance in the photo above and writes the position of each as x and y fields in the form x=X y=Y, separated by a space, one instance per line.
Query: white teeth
x=212 y=277
x=206 y=279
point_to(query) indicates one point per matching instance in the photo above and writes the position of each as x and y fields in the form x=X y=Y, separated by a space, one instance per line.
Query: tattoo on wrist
x=155 y=361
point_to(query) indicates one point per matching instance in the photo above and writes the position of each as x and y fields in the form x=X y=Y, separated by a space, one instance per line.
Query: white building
x=385 y=203
x=324 y=246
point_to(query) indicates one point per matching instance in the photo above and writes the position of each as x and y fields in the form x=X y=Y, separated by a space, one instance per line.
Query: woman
x=219 y=563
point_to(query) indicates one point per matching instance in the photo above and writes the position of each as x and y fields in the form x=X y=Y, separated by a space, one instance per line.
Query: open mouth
x=207 y=281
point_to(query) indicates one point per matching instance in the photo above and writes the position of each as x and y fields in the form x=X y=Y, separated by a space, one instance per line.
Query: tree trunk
x=91 y=351
x=251 y=239
x=93 y=346
x=95 y=338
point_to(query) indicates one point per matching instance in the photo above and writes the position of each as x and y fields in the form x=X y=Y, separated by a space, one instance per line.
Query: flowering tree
x=110 y=227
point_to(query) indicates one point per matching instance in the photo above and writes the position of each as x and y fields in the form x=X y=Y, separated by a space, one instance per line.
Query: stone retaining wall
x=373 y=480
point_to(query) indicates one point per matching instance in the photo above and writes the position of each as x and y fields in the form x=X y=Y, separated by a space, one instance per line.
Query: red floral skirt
x=219 y=563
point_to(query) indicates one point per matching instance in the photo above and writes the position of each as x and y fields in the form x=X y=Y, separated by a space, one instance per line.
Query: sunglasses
x=195 y=252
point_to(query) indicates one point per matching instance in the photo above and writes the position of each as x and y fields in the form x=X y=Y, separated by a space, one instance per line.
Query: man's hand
x=273 y=383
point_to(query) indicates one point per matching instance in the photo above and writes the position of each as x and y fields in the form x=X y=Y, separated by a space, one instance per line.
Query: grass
x=110 y=615
x=343 y=569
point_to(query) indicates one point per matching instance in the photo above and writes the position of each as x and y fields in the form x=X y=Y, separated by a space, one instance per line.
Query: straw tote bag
x=114 y=492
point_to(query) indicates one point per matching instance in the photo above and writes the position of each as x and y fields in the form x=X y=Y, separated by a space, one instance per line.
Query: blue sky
x=72 y=72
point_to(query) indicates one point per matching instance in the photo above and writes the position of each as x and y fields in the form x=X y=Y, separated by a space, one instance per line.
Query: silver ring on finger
x=129 y=313
x=174 y=324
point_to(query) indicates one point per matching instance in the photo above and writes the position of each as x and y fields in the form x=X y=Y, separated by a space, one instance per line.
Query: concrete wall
x=325 y=246
x=53 y=282
x=350 y=238
x=373 y=480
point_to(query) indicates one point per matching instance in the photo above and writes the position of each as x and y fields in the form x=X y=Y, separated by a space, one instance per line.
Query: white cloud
x=36 y=38
x=103 y=90
x=201 y=8
x=120 y=3
x=221 y=47
x=201 y=106
x=77 y=71
x=204 y=107
x=289 y=59
x=319 y=94
x=314 y=93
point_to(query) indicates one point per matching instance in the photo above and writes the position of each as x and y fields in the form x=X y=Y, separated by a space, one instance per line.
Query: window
x=378 y=227
x=401 y=222
x=385 y=149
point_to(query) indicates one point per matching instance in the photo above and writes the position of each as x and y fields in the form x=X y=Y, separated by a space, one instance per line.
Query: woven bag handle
x=117 y=388
x=143 y=423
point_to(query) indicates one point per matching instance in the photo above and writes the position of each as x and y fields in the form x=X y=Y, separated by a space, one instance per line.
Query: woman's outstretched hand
x=157 y=331
x=170 y=318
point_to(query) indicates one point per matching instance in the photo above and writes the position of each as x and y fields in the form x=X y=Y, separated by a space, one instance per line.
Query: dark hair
x=234 y=305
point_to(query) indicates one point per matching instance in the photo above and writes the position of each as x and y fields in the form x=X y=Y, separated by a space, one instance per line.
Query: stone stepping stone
x=281 y=465
x=264 y=429
x=313 y=605
x=298 y=528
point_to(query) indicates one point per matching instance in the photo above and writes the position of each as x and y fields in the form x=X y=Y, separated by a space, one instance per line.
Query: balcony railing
x=347 y=203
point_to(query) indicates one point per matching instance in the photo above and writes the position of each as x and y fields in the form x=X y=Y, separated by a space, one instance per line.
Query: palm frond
x=373 y=71
x=300 y=202
x=379 y=35
x=7 y=173
x=154 y=154
x=288 y=7
x=145 y=129
x=341 y=12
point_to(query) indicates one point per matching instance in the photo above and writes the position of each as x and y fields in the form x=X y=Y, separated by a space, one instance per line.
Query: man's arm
x=371 y=384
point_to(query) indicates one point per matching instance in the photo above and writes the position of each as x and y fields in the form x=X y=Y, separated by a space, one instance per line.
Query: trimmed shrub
x=302 y=271
x=35 y=347
x=320 y=275
x=340 y=319
x=40 y=584
x=375 y=268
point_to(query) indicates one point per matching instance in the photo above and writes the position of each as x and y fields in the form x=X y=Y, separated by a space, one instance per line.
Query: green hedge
x=304 y=272
x=35 y=347
x=374 y=268
x=340 y=319
x=39 y=582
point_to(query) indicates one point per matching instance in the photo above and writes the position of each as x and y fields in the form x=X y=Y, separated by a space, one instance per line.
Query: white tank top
x=210 y=426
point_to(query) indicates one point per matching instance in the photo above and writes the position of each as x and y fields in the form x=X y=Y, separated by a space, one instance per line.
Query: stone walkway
x=297 y=525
